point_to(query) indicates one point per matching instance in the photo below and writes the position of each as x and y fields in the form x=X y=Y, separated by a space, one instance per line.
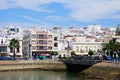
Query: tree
x=72 y=52
x=111 y=47
x=118 y=30
x=90 y=52
x=54 y=53
x=108 y=47
x=14 y=44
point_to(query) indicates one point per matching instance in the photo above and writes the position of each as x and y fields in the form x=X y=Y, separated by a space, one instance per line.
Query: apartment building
x=38 y=40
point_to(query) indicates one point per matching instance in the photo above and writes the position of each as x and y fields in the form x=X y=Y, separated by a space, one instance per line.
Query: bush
x=73 y=53
x=90 y=52
x=54 y=53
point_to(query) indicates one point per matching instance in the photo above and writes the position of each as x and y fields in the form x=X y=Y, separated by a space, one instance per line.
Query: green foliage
x=90 y=52
x=111 y=46
x=14 y=44
x=118 y=30
x=54 y=53
x=72 y=52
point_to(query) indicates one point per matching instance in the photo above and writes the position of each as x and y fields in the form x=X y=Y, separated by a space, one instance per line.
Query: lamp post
x=30 y=46
x=30 y=55
x=68 y=48
x=109 y=49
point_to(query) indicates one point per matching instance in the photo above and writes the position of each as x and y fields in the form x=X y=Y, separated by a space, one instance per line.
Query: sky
x=62 y=13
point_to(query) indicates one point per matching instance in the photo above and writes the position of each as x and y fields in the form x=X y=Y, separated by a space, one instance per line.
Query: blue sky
x=63 y=13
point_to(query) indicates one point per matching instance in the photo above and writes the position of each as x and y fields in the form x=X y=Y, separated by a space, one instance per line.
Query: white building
x=41 y=41
x=81 y=45
x=3 y=45
x=94 y=28
x=9 y=33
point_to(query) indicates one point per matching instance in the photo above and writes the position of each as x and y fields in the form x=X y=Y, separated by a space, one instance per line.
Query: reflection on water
x=38 y=75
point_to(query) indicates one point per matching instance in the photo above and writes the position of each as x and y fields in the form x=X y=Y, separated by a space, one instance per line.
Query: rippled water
x=38 y=75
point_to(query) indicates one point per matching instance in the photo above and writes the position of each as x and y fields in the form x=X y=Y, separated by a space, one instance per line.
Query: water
x=38 y=75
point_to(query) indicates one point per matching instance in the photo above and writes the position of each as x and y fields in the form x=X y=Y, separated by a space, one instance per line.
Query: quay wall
x=32 y=65
x=99 y=71
x=102 y=71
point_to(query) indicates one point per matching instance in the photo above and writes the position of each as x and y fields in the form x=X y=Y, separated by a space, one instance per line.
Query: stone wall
x=32 y=65
x=102 y=71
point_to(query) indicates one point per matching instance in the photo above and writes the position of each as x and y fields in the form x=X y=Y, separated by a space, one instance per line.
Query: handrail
x=87 y=62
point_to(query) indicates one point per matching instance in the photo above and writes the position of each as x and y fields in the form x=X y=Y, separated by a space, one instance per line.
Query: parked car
x=6 y=58
x=107 y=57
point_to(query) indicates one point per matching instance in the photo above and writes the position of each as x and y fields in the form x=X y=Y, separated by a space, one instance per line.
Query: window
x=50 y=47
x=41 y=47
x=55 y=44
x=1 y=41
x=45 y=42
x=50 y=36
x=11 y=29
x=40 y=36
x=33 y=41
x=77 y=48
x=55 y=38
x=33 y=36
x=34 y=48
x=17 y=30
x=3 y=49
x=44 y=47
x=50 y=42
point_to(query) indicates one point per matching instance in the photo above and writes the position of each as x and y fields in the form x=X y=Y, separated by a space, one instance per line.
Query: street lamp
x=68 y=48
x=109 y=49
x=30 y=55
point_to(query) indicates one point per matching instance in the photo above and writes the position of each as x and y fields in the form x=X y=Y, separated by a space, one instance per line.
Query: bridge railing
x=87 y=62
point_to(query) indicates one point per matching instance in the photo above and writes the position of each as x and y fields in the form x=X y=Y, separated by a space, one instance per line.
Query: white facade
x=81 y=40
x=11 y=32
x=94 y=28
x=81 y=45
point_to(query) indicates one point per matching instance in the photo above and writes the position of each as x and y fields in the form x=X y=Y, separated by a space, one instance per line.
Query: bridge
x=80 y=63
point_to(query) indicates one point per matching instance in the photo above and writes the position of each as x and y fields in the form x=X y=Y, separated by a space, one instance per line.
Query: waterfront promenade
x=32 y=65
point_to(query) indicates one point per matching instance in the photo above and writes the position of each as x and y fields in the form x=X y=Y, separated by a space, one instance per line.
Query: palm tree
x=118 y=30
x=111 y=47
x=14 y=44
x=108 y=47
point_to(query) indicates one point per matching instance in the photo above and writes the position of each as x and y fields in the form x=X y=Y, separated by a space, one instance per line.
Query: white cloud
x=28 y=24
x=81 y=10
x=29 y=18
x=27 y=4
x=57 y=18
x=115 y=17
x=91 y=10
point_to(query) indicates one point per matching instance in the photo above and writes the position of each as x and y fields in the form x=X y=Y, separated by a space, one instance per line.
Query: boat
x=80 y=63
